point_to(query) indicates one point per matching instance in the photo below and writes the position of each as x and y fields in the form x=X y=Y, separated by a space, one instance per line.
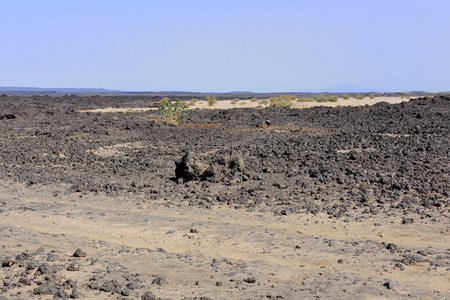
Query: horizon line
x=4 y=89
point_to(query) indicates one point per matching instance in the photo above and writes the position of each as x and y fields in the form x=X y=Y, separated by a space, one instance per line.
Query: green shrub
x=283 y=102
x=173 y=111
x=371 y=96
x=345 y=96
x=235 y=100
x=263 y=102
x=358 y=96
x=254 y=100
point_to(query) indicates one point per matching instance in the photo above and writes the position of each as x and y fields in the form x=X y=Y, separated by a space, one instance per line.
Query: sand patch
x=228 y=104
x=116 y=150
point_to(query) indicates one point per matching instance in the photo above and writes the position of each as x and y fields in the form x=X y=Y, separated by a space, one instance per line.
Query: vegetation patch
x=263 y=102
x=211 y=100
x=192 y=102
x=284 y=100
x=173 y=111
x=358 y=96
x=306 y=99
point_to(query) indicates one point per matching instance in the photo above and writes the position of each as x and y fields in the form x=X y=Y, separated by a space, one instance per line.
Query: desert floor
x=101 y=181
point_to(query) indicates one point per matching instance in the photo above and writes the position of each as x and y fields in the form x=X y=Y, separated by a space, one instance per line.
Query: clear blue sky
x=226 y=45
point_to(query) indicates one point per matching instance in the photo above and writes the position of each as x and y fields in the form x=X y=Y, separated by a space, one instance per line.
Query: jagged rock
x=148 y=296
x=79 y=253
x=214 y=169
x=191 y=167
x=8 y=262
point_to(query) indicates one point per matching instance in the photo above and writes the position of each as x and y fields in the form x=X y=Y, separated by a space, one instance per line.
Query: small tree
x=173 y=111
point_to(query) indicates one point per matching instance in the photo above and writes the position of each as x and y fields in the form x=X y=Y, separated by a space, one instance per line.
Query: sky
x=226 y=45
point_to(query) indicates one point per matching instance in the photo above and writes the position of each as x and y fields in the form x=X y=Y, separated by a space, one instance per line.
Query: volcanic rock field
x=241 y=203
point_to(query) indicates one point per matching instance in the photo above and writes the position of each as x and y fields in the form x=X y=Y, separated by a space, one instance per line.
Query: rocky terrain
x=270 y=203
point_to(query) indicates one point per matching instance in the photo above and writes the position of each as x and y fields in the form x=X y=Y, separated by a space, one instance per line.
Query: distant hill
x=59 y=90
x=86 y=92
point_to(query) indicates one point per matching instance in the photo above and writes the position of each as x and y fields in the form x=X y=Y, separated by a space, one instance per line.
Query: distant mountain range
x=59 y=90
x=347 y=88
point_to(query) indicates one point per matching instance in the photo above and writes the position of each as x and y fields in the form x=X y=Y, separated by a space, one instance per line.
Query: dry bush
x=306 y=99
x=332 y=98
x=273 y=99
x=211 y=100
x=283 y=100
x=164 y=100
x=320 y=98
x=192 y=102
x=358 y=96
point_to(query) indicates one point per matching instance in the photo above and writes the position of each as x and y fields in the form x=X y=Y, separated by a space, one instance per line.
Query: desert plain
x=100 y=198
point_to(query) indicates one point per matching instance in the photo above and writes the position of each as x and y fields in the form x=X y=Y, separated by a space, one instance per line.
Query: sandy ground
x=227 y=104
x=284 y=253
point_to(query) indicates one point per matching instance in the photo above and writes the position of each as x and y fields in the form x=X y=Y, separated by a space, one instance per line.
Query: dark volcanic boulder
x=225 y=167
x=191 y=167
x=8 y=117
x=214 y=169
